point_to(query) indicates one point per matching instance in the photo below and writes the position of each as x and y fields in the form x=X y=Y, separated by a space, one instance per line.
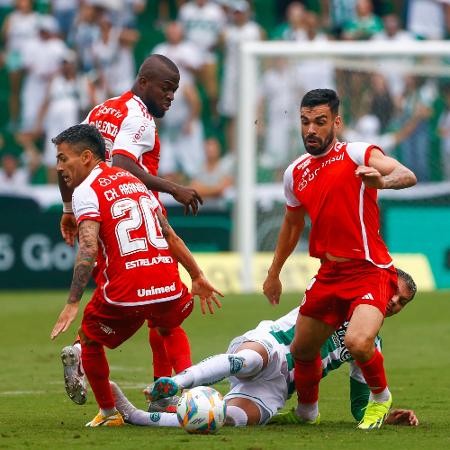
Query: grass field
x=36 y=414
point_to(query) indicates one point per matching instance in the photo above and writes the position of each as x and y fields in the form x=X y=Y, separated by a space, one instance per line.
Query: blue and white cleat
x=163 y=387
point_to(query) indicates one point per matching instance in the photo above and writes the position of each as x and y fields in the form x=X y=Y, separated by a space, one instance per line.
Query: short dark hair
x=408 y=279
x=318 y=97
x=81 y=137
x=152 y=65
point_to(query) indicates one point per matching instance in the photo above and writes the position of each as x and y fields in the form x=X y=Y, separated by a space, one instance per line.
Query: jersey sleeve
x=360 y=152
x=137 y=135
x=288 y=182
x=85 y=204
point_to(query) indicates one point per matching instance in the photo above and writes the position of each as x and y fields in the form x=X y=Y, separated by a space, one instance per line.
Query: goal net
x=396 y=95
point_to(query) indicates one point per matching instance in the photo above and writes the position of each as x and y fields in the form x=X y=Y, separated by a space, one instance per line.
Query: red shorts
x=112 y=325
x=339 y=287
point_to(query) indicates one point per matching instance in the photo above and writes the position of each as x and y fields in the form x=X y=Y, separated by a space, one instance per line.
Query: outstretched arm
x=86 y=255
x=384 y=172
x=186 y=196
x=200 y=285
x=290 y=232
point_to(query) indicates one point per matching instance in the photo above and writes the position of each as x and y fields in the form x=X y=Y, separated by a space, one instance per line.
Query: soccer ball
x=201 y=410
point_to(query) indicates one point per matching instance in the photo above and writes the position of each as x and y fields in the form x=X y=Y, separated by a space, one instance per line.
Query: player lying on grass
x=260 y=368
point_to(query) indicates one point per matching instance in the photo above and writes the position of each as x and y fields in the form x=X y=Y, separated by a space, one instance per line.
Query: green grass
x=35 y=412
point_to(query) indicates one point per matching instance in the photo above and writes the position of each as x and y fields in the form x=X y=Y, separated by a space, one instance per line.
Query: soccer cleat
x=123 y=405
x=375 y=414
x=113 y=420
x=168 y=405
x=162 y=388
x=74 y=379
x=291 y=418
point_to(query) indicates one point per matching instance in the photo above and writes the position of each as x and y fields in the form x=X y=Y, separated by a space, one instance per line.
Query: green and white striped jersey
x=333 y=353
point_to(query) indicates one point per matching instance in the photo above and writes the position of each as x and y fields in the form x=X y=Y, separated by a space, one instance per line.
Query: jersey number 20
x=138 y=212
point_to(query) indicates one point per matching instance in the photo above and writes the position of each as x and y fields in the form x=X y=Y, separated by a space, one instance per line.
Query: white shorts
x=269 y=388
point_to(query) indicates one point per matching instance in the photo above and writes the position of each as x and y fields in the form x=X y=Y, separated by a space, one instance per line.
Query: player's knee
x=359 y=345
x=245 y=363
x=301 y=353
x=236 y=417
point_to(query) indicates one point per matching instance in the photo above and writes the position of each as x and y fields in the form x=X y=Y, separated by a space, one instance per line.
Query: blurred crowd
x=62 y=57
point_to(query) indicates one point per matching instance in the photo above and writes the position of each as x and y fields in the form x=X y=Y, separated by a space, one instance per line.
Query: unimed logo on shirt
x=156 y=290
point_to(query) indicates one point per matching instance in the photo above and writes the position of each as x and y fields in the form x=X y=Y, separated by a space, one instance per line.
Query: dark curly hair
x=318 y=97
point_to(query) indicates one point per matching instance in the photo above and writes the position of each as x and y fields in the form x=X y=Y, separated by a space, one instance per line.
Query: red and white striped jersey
x=128 y=129
x=343 y=211
x=135 y=266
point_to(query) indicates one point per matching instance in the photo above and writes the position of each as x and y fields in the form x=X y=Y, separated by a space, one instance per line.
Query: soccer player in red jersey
x=336 y=184
x=121 y=226
x=128 y=127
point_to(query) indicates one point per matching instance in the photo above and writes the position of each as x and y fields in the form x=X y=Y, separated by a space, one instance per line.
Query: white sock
x=215 y=368
x=138 y=417
x=154 y=419
x=383 y=396
x=308 y=411
x=237 y=415
x=77 y=346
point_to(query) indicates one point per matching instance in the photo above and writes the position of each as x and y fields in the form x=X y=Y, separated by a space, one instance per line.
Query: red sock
x=161 y=363
x=374 y=374
x=307 y=376
x=96 y=368
x=178 y=349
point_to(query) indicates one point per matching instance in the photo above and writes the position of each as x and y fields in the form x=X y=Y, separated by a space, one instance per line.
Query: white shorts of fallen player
x=269 y=388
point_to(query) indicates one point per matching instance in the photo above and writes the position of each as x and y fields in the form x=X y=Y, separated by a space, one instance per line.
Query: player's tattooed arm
x=400 y=178
x=384 y=172
x=84 y=263
x=85 y=260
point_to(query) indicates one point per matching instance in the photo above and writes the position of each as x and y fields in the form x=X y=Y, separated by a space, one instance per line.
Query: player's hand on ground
x=65 y=319
x=207 y=294
x=272 y=289
x=69 y=228
x=402 y=417
x=190 y=198
x=370 y=177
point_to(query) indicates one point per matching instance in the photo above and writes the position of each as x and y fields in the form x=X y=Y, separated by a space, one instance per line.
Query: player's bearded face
x=318 y=128
x=159 y=94
x=315 y=145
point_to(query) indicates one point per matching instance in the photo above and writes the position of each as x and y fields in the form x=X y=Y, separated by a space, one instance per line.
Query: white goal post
x=246 y=192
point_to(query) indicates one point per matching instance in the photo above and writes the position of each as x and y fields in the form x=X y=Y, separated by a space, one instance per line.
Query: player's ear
x=86 y=156
x=338 y=121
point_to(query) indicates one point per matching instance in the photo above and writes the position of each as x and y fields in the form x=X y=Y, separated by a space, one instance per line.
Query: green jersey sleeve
x=359 y=392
